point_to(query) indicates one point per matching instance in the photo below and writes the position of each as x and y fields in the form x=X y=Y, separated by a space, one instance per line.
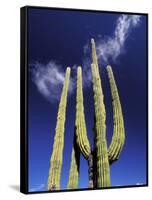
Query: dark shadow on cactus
x=112 y=161
x=77 y=152
x=94 y=169
x=74 y=166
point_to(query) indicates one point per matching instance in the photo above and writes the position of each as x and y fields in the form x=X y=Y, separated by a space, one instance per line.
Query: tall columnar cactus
x=80 y=124
x=80 y=135
x=81 y=132
x=74 y=168
x=102 y=162
x=118 y=130
x=100 y=159
x=56 y=158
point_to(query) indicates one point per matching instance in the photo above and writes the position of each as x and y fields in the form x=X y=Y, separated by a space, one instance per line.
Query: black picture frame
x=24 y=97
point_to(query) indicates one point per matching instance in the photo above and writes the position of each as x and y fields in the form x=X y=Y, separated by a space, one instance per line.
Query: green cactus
x=81 y=133
x=118 y=130
x=80 y=124
x=101 y=151
x=100 y=159
x=74 y=168
x=56 y=158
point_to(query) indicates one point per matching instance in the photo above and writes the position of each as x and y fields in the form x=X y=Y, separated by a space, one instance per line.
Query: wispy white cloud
x=109 y=47
x=38 y=188
x=112 y=47
x=49 y=79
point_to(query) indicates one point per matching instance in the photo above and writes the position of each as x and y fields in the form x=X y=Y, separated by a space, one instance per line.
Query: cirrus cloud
x=113 y=47
x=49 y=79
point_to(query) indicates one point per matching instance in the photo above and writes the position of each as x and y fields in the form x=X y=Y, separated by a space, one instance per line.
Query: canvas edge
x=24 y=98
x=23 y=102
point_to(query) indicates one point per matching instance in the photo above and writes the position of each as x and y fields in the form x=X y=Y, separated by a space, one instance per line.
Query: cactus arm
x=74 y=167
x=118 y=138
x=56 y=157
x=81 y=133
x=102 y=165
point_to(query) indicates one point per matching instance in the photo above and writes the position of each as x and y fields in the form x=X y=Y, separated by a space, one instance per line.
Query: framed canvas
x=84 y=99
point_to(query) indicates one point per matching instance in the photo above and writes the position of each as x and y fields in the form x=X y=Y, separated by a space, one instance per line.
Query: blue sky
x=57 y=39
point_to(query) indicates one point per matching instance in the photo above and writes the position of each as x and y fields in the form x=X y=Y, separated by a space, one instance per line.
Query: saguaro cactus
x=105 y=156
x=80 y=134
x=101 y=151
x=118 y=130
x=101 y=157
x=56 y=158
x=74 y=168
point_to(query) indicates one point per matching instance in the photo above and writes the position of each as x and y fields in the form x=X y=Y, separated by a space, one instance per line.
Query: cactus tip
x=68 y=69
x=108 y=66
x=92 y=41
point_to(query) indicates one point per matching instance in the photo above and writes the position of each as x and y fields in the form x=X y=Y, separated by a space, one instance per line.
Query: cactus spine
x=118 y=132
x=56 y=158
x=102 y=165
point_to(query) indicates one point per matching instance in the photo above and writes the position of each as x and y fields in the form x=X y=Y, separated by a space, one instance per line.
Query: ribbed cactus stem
x=94 y=55
x=56 y=158
x=102 y=165
x=74 y=168
x=80 y=124
x=118 y=138
x=102 y=161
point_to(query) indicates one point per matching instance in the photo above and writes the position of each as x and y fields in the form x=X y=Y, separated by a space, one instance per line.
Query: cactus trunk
x=56 y=158
x=90 y=170
x=118 y=130
x=74 y=168
x=102 y=162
